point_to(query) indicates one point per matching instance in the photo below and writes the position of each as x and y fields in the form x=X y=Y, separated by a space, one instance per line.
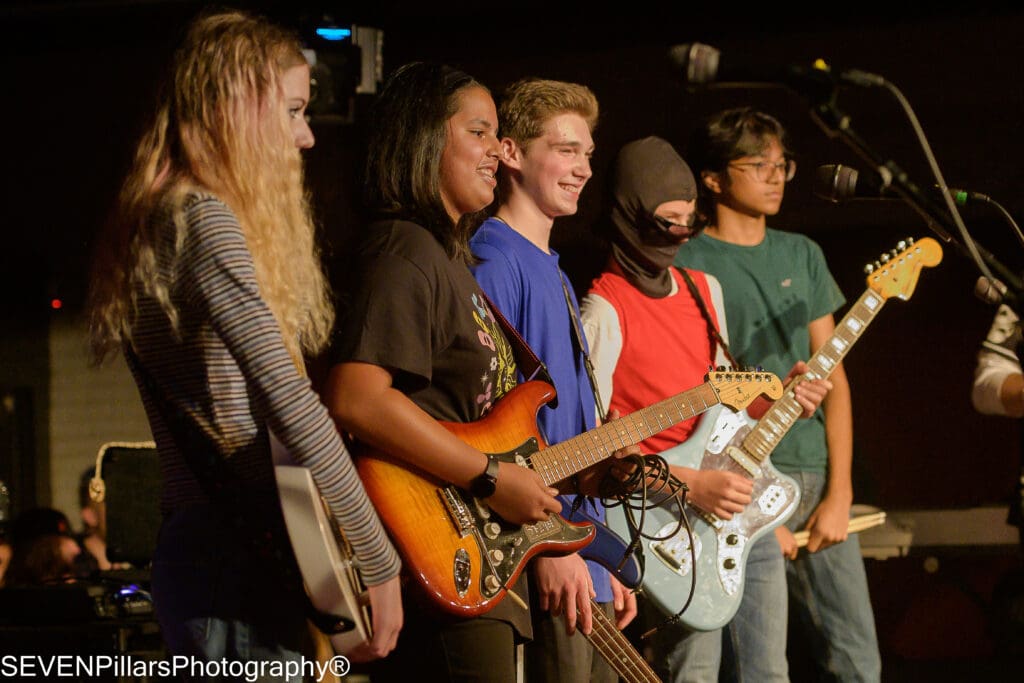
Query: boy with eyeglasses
x=779 y=299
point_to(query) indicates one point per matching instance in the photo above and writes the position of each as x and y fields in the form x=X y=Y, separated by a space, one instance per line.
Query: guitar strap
x=581 y=349
x=221 y=484
x=713 y=334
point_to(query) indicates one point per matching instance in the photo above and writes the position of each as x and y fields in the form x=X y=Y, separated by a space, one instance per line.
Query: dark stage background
x=78 y=78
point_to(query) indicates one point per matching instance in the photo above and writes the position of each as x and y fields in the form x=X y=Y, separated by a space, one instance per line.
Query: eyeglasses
x=764 y=171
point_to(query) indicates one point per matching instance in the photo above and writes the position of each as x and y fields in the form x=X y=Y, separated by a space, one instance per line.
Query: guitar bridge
x=675 y=551
x=459 y=513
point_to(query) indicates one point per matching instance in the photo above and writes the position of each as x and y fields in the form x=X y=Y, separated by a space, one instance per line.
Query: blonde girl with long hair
x=209 y=281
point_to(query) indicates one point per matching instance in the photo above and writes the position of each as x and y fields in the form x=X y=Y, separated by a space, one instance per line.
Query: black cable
x=650 y=484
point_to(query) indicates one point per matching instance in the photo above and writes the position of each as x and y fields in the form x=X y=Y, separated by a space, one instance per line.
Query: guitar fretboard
x=611 y=644
x=784 y=413
x=565 y=459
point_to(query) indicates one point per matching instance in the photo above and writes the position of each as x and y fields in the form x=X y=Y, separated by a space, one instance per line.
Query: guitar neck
x=783 y=414
x=620 y=654
x=565 y=459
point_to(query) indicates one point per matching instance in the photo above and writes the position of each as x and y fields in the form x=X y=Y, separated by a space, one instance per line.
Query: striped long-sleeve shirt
x=228 y=370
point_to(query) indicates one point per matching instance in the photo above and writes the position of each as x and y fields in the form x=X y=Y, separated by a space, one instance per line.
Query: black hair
x=407 y=137
x=724 y=137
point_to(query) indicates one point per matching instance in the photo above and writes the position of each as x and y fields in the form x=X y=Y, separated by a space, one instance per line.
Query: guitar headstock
x=737 y=389
x=895 y=273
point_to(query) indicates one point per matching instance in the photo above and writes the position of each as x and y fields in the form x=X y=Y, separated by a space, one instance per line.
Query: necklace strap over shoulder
x=713 y=334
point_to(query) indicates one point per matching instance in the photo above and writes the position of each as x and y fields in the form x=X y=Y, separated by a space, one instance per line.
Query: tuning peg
x=901 y=245
x=894 y=253
x=869 y=268
x=910 y=241
x=884 y=258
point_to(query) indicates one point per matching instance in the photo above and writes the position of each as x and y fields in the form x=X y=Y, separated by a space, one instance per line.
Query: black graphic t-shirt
x=422 y=316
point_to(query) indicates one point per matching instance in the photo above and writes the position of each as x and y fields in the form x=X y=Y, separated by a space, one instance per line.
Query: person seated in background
x=43 y=551
x=998 y=383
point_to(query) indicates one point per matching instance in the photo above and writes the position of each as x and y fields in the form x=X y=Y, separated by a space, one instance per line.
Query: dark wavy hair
x=725 y=137
x=407 y=135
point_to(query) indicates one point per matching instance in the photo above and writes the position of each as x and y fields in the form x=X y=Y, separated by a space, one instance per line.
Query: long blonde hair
x=216 y=130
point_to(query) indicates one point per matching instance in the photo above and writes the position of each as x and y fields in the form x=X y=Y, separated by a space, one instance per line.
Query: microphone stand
x=836 y=124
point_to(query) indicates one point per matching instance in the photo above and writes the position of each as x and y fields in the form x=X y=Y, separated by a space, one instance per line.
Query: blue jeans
x=828 y=593
x=213 y=601
x=749 y=649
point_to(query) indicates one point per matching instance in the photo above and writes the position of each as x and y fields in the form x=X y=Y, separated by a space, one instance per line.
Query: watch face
x=483 y=486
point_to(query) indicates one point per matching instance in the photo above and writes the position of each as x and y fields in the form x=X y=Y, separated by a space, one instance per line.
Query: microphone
x=837 y=183
x=702 y=64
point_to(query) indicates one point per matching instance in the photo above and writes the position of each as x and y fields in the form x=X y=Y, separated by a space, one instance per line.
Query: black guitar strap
x=581 y=349
x=225 y=489
x=713 y=334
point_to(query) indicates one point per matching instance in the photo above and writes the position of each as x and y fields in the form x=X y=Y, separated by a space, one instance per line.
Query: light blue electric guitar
x=734 y=442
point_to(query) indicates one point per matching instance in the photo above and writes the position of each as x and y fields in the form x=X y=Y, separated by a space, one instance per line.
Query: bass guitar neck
x=615 y=648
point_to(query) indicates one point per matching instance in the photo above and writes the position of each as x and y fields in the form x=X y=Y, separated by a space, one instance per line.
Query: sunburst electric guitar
x=735 y=443
x=463 y=555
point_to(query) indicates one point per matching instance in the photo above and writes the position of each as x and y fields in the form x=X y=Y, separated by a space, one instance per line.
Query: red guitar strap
x=530 y=365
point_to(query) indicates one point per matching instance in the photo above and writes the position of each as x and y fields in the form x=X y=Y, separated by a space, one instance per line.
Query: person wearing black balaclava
x=650 y=340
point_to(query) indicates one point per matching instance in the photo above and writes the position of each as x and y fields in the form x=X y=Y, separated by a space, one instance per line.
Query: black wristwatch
x=483 y=485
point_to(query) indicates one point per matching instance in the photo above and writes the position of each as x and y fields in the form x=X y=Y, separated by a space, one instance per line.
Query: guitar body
x=463 y=555
x=735 y=443
x=721 y=546
x=324 y=557
x=609 y=550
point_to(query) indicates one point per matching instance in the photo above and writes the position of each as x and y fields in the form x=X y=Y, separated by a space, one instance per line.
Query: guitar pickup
x=772 y=500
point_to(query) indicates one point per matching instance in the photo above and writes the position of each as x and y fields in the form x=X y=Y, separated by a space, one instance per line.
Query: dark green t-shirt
x=772 y=292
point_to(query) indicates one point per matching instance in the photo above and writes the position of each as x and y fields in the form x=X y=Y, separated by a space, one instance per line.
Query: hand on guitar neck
x=809 y=393
x=620 y=467
x=724 y=493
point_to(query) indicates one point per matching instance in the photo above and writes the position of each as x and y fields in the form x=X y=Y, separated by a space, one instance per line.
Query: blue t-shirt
x=525 y=283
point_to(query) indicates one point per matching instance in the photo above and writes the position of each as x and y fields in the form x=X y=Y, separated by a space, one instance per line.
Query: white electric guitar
x=733 y=442
x=324 y=557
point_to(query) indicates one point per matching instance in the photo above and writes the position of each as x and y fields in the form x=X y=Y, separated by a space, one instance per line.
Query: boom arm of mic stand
x=836 y=124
